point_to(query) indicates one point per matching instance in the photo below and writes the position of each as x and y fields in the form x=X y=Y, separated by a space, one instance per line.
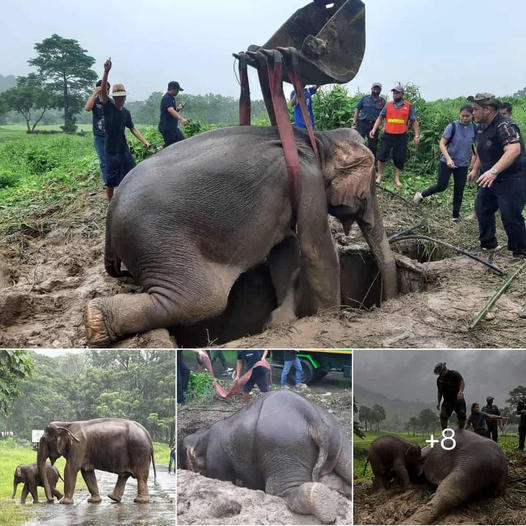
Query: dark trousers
x=219 y=355
x=494 y=432
x=183 y=375
x=522 y=436
x=459 y=182
x=507 y=196
x=172 y=137
x=395 y=143
x=364 y=127
x=259 y=377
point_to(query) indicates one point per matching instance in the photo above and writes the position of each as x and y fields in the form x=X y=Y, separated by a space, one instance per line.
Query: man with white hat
x=366 y=112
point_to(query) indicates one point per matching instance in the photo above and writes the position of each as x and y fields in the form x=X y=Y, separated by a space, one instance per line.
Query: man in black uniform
x=170 y=117
x=493 y=425
x=499 y=171
x=450 y=386
x=521 y=411
x=259 y=374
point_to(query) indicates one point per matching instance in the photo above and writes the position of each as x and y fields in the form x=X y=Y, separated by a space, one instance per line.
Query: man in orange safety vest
x=397 y=115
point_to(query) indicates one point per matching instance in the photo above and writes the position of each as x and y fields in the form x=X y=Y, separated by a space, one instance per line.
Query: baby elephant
x=392 y=457
x=28 y=474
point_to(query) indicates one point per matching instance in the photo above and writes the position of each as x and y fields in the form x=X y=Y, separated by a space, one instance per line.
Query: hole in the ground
x=252 y=299
x=422 y=250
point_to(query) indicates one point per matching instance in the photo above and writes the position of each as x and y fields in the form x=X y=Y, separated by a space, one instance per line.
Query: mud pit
x=393 y=506
x=48 y=274
x=201 y=500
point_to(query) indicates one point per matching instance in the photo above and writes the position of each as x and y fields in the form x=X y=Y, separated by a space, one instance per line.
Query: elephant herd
x=475 y=463
x=115 y=445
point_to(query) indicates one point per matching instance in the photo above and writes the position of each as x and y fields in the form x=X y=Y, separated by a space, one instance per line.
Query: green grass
x=12 y=513
x=508 y=444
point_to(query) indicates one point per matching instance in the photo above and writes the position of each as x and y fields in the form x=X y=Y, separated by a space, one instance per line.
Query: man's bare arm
x=177 y=116
x=104 y=95
x=91 y=101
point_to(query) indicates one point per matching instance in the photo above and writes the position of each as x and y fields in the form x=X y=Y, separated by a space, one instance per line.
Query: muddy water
x=160 y=511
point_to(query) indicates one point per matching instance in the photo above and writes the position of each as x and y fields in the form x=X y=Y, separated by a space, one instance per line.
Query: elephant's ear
x=349 y=174
x=64 y=441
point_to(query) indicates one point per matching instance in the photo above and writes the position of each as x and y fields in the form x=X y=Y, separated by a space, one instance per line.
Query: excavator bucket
x=329 y=38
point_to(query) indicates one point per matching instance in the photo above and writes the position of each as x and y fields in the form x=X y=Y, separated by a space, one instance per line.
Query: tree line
x=132 y=384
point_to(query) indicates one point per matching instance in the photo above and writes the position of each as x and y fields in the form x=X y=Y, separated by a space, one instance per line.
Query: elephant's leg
x=70 y=481
x=25 y=491
x=91 y=481
x=318 y=252
x=372 y=227
x=34 y=492
x=118 y=491
x=284 y=265
x=451 y=492
x=337 y=483
x=313 y=498
x=142 y=489
x=401 y=474
x=200 y=297
x=56 y=493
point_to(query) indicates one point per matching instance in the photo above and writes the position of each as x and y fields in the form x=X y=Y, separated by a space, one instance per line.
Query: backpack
x=454 y=125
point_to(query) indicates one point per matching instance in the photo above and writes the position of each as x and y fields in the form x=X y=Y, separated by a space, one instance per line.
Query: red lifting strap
x=244 y=99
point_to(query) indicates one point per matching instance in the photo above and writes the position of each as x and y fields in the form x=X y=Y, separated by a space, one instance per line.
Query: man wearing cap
x=397 y=115
x=170 y=116
x=499 y=170
x=450 y=385
x=116 y=118
x=366 y=112
x=298 y=116
x=493 y=425
x=94 y=105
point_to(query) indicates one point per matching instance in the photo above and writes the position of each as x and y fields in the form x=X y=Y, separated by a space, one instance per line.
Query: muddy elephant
x=115 y=445
x=281 y=444
x=28 y=474
x=392 y=457
x=190 y=220
x=476 y=463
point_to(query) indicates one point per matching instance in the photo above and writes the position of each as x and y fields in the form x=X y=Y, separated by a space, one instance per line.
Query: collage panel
x=264 y=437
x=87 y=437
x=439 y=437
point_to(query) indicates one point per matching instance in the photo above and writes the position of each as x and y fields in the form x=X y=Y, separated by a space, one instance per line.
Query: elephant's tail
x=319 y=432
x=60 y=477
x=154 y=470
x=365 y=467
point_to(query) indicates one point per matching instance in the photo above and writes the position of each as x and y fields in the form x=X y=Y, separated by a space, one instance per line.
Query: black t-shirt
x=249 y=357
x=449 y=385
x=98 y=118
x=521 y=407
x=491 y=140
x=167 y=123
x=115 y=121
x=289 y=355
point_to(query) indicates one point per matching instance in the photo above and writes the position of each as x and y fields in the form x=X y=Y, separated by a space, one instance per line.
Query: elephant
x=115 y=445
x=28 y=474
x=188 y=221
x=390 y=457
x=475 y=463
x=282 y=444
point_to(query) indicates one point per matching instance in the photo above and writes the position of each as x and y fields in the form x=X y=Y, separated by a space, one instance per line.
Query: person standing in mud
x=291 y=360
x=94 y=105
x=480 y=420
x=450 y=385
x=183 y=375
x=172 y=458
x=116 y=118
x=170 y=117
x=245 y=361
x=521 y=411
x=493 y=425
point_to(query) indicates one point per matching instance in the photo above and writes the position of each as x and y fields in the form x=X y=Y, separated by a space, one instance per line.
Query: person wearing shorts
x=450 y=385
x=397 y=115
x=245 y=361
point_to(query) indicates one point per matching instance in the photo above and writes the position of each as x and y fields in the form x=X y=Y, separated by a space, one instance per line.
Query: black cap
x=439 y=367
x=490 y=399
x=174 y=85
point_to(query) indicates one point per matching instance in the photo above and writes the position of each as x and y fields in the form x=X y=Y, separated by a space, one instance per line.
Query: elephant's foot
x=66 y=500
x=94 y=499
x=324 y=503
x=114 y=497
x=141 y=499
x=96 y=330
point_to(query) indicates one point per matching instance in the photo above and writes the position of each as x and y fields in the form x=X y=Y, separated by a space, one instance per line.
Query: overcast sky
x=448 y=48
x=408 y=375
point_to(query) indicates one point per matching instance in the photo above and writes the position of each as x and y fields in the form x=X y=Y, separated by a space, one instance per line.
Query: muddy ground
x=201 y=500
x=394 y=506
x=160 y=511
x=50 y=269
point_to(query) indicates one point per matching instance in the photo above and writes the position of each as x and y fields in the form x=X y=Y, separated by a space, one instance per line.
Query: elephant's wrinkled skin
x=390 y=457
x=190 y=220
x=115 y=445
x=281 y=444
x=28 y=474
x=477 y=463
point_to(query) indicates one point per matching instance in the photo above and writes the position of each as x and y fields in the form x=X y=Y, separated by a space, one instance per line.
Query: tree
x=66 y=66
x=427 y=420
x=14 y=367
x=366 y=416
x=378 y=415
x=412 y=424
x=30 y=98
x=357 y=428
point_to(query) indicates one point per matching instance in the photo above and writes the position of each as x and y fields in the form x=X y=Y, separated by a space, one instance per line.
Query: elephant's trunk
x=42 y=456
x=15 y=485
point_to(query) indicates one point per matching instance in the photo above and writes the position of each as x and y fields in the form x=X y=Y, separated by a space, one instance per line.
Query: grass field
x=11 y=512
x=508 y=444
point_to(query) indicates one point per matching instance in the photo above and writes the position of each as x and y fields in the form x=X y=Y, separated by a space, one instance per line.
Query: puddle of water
x=160 y=511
